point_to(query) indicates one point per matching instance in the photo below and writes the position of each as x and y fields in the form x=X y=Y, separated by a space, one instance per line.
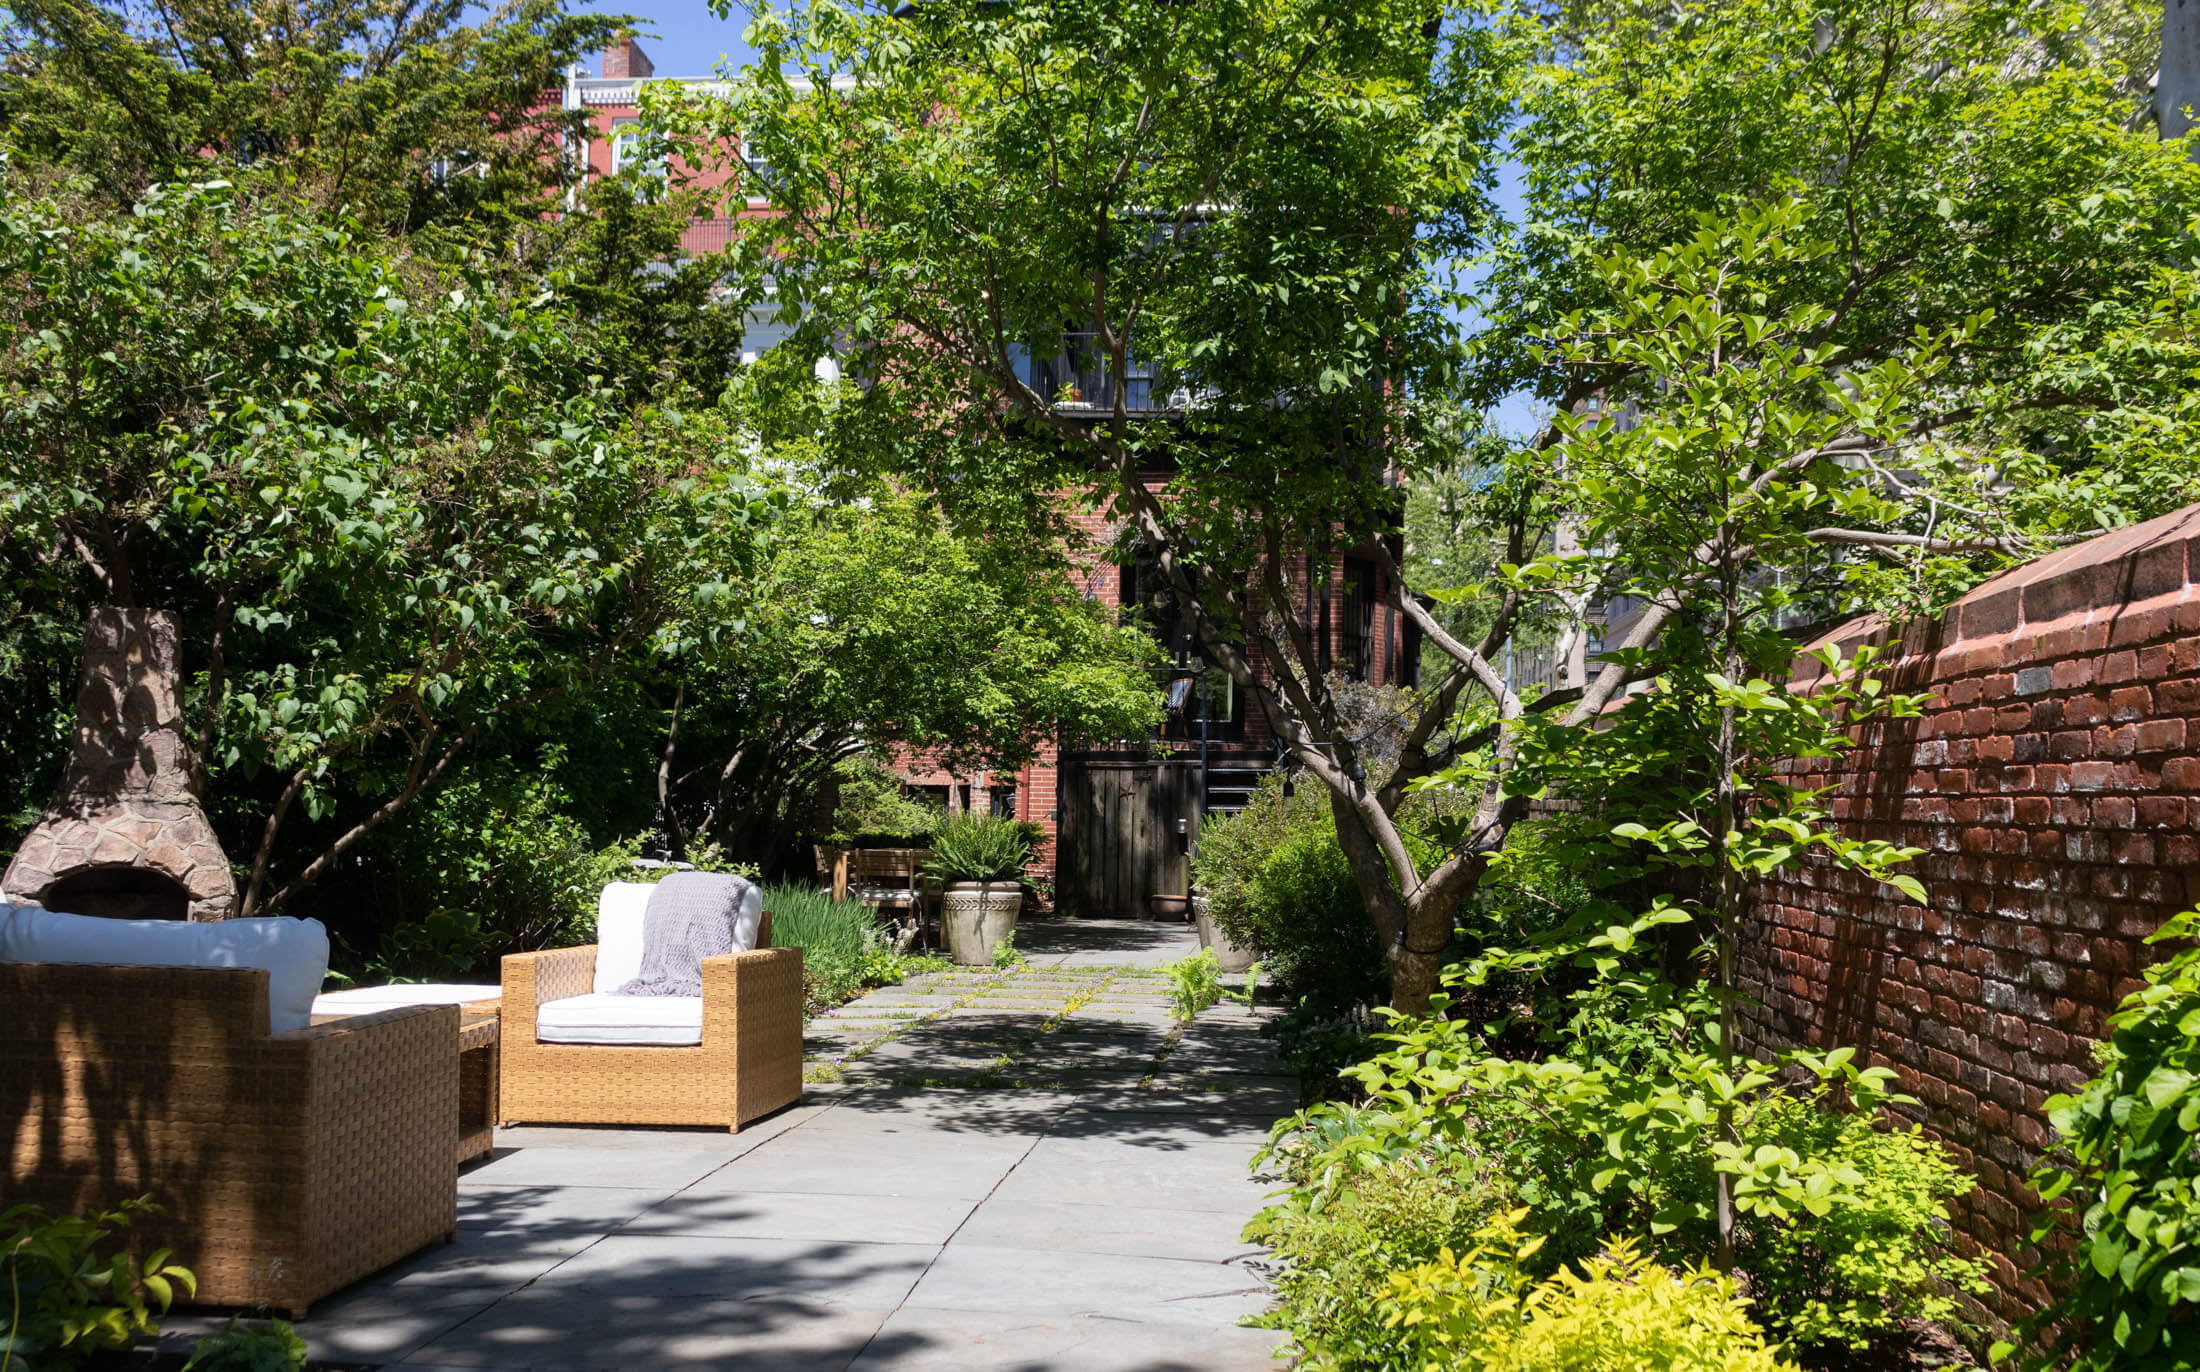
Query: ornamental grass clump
x=841 y=942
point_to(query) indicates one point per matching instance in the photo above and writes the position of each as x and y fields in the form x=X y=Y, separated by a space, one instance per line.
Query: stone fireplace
x=124 y=836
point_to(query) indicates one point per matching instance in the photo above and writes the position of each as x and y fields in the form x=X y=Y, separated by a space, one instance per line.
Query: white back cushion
x=746 y=923
x=619 y=912
x=293 y=951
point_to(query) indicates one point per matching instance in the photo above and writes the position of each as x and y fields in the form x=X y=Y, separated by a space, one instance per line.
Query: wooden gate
x=1119 y=840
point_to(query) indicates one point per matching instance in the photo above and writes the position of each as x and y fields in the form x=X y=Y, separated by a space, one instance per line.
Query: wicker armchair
x=748 y=1064
x=287 y=1165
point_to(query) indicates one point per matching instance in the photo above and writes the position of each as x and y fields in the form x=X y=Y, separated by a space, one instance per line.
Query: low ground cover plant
x=1194 y=983
x=1620 y=1312
x=72 y=1292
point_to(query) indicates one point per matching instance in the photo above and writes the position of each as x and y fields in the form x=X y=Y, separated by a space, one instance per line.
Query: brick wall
x=2052 y=788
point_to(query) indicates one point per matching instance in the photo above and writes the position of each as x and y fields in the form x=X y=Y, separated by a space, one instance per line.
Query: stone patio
x=1031 y=1169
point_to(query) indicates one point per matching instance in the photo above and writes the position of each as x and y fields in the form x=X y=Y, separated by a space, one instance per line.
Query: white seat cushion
x=294 y=952
x=365 y=1000
x=619 y=912
x=600 y=1018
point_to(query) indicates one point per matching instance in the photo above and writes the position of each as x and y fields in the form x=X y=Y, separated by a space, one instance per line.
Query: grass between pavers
x=1048 y=1026
x=1082 y=985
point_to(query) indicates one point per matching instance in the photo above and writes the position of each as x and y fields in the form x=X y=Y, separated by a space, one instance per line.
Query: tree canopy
x=1963 y=323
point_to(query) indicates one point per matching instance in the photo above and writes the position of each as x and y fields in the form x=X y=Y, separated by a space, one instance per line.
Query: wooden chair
x=891 y=880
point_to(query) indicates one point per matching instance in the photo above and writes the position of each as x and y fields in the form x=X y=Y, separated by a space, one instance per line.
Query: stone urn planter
x=978 y=916
x=1229 y=957
x=978 y=860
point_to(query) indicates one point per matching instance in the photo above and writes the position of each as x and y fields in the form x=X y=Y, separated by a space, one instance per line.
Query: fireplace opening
x=119 y=893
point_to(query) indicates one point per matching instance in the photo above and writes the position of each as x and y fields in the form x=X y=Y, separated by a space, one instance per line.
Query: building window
x=632 y=150
x=1003 y=800
x=756 y=170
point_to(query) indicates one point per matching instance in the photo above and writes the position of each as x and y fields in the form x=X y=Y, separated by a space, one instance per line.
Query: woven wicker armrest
x=766 y=982
x=752 y=1019
x=377 y=1118
x=531 y=979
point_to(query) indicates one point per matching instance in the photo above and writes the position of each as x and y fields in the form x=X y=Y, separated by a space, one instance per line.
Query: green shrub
x=1621 y=1312
x=2123 y=1194
x=873 y=806
x=975 y=847
x=1277 y=881
x=1338 y=1250
x=1841 y=1225
x=1194 y=982
x=492 y=863
x=270 y=1347
x=69 y=1301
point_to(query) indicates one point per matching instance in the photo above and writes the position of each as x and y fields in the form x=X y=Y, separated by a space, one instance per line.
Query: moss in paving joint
x=820 y=1073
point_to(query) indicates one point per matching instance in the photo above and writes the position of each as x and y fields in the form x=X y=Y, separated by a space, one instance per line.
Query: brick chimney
x=625 y=58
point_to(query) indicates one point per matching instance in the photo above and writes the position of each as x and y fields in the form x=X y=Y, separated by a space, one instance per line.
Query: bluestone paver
x=1034 y=1168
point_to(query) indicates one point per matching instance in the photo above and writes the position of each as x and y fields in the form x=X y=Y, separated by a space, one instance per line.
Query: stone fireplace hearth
x=124 y=835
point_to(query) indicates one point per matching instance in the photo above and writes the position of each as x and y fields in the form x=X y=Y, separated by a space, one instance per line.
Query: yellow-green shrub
x=1620 y=1313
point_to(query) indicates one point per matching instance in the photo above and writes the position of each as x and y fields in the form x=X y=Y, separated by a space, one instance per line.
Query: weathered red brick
x=2161 y=735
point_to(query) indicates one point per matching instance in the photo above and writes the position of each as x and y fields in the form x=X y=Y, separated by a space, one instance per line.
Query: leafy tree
x=871 y=623
x=1261 y=205
x=399 y=113
x=1247 y=198
x=390 y=502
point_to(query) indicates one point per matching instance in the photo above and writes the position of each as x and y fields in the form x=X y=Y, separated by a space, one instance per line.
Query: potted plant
x=979 y=862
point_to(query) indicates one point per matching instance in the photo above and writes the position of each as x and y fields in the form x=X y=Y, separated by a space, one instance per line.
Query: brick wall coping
x=2129 y=586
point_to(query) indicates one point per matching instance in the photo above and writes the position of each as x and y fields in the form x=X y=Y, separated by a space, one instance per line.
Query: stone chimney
x=625 y=58
x=124 y=835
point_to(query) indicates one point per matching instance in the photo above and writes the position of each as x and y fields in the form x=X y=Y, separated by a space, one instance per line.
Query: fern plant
x=971 y=847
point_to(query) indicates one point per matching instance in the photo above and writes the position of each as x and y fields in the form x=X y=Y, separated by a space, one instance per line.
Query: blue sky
x=689 y=41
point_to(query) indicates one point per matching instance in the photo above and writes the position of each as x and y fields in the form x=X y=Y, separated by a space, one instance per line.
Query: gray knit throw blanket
x=690 y=917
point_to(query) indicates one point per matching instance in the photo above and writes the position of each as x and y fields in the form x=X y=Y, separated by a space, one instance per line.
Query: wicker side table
x=480 y=1031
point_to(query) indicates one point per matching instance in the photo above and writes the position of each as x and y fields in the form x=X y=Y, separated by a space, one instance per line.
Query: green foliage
x=270 y=1347
x=974 y=847
x=491 y=864
x=873 y=804
x=1481 y=1311
x=68 y=1301
x=2122 y=1223
x=392 y=504
x=1841 y=1224
x=1277 y=880
x=841 y=943
x=1194 y=983
x=1006 y=955
x=358 y=100
x=1337 y=1250
x=871 y=620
